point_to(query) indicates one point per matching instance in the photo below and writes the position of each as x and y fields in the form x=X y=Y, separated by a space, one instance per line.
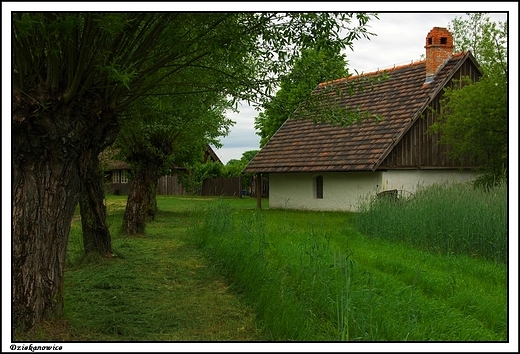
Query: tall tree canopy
x=314 y=65
x=75 y=74
x=474 y=116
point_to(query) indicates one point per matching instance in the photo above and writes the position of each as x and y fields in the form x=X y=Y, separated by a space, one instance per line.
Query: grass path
x=158 y=288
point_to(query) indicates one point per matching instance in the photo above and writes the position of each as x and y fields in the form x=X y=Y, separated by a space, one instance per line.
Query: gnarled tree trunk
x=152 y=200
x=50 y=147
x=134 y=219
x=96 y=235
x=45 y=194
x=138 y=203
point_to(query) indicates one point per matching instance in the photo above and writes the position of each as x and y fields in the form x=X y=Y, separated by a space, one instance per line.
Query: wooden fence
x=221 y=186
x=169 y=185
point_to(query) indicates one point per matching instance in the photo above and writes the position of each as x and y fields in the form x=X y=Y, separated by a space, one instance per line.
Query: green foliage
x=197 y=173
x=313 y=66
x=172 y=132
x=122 y=56
x=448 y=219
x=234 y=167
x=474 y=118
x=474 y=122
x=486 y=39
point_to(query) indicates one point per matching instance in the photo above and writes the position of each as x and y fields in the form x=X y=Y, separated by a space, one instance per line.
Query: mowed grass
x=158 y=287
x=212 y=269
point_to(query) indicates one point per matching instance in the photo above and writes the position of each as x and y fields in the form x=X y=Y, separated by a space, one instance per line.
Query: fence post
x=240 y=186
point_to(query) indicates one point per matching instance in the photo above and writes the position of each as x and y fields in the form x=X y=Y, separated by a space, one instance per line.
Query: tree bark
x=50 y=151
x=134 y=219
x=45 y=194
x=96 y=235
x=152 y=199
x=138 y=203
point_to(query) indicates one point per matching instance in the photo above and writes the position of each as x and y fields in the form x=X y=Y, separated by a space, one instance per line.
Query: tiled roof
x=301 y=145
x=118 y=165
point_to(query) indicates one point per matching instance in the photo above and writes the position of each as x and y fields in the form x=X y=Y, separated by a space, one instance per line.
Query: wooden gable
x=399 y=140
x=419 y=149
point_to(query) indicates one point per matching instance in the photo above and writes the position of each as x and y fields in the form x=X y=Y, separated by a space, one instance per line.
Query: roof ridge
x=378 y=71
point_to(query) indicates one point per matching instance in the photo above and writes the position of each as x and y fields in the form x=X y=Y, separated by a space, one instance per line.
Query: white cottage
x=319 y=166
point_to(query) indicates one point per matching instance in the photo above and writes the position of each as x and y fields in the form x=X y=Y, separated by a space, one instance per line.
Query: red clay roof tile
x=301 y=145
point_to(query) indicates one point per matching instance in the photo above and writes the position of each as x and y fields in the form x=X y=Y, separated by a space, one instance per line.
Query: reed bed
x=449 y=219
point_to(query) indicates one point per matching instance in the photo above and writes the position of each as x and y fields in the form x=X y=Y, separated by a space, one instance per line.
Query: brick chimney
x=439 y=48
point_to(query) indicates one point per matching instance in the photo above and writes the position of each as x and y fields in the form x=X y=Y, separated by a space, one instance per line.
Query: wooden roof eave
x=431 y=96
x=441 y=85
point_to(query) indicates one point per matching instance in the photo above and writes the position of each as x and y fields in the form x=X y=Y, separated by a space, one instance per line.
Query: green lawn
x=313 y=276
x=159 y=287
x=212 y=269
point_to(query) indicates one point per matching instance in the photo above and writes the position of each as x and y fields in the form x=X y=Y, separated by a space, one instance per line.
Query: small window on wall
x=115 y=176
x=318 y=184
x=119 y=176
x=124 y=176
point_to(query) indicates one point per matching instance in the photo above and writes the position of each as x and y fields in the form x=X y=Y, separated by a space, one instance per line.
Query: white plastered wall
x=410 y=180
x=345 y=191
x=341 y=191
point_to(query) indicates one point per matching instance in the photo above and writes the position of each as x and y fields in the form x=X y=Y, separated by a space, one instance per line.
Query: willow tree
x=73 y=76
x=166 y=138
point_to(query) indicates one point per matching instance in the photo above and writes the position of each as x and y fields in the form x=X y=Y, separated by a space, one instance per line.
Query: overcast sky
x=400 y=39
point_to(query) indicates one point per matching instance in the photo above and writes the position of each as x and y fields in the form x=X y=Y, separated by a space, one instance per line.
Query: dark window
x=319 y=187
x=444 y=40
x=430 y=40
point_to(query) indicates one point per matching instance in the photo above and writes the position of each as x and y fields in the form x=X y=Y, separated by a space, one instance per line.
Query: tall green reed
x=309 y=278
x=301 y=283
x=449 y=218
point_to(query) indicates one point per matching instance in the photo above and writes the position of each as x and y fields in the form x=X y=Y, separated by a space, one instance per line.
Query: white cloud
x=242 y=137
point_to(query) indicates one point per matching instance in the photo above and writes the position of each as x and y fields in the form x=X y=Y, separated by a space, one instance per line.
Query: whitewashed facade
x=346 y=191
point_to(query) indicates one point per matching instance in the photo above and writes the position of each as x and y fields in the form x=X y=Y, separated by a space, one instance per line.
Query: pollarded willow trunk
x=45 y=194
x=152 y=200
x=50 y=147
x=96 y=235
x=134 y=219
x=137 y=205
